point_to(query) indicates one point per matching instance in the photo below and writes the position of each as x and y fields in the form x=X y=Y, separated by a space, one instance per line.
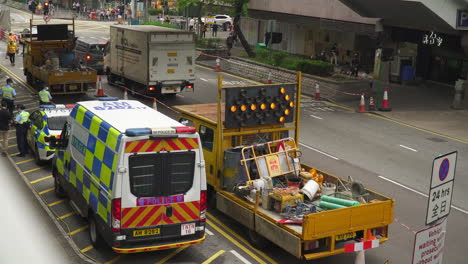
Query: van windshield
x=98 y=48
x=161 y=174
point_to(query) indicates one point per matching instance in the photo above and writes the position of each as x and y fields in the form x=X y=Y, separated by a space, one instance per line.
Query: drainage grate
x=435 y=139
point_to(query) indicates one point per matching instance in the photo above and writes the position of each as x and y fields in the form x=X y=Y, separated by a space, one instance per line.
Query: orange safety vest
x=12 y=47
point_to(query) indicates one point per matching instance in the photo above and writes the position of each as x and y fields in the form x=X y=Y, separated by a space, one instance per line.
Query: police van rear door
x=164 y=195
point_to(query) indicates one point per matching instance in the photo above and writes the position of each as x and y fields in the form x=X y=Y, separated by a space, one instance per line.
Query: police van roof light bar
x=108 y=99
x=133 y=132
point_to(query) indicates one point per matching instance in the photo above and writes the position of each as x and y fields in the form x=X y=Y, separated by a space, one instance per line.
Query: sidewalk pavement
x=426 y=106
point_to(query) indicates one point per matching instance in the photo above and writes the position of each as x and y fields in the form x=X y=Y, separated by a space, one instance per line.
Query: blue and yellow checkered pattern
x=95 y=180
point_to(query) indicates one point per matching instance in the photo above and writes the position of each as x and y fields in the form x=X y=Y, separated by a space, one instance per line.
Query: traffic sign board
x=429 y=244
x=440 y=194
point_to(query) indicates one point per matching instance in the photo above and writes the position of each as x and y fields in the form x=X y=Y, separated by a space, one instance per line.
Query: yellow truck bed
x=325 y=225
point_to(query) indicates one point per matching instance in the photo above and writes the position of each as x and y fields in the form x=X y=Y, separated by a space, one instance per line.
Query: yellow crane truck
x=255 y=175
x=49 y=59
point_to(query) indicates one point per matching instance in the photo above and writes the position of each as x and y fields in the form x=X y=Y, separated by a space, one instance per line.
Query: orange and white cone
x=269 y=81
x=371 y=104
x=155 y=104
x=362 y=104
x=385 y=104
x=218 y=66
x=100 y=91
x=317 y=92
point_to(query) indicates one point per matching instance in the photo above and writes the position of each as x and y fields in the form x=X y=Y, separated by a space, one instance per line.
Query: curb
x=51 y=214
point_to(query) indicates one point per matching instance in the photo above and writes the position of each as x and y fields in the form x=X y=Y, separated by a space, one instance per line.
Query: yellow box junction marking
x=86 y=249
x=78 y=230
x=66 y=215
x=41 y=179
x=35 y=169
x=55 y=203
x=235 y=242
x=114 y=259
x=24 y=161
x=210 y=259
x=168 y=257
x=46 y=191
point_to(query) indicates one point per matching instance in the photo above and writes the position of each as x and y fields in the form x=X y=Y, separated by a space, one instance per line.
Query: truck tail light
x=203 y=201
x=151 y=88
x=190 y=86
x=116 y=208
x=308 y=245
x=88 y=57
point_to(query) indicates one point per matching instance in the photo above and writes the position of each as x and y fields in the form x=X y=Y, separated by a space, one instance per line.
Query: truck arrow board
x=440 y=194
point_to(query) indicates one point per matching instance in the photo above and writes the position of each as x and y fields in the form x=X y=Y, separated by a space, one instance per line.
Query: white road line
x=316 y=117
x=403 y=146
x=239 y=256
x=321 y=152
x=180 y=95
x=203 y=79
x=209 y=232
x=418 y=192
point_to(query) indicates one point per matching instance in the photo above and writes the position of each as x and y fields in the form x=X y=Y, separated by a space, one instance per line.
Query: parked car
x=47 y=121
x=91 y=52
x=222 y=20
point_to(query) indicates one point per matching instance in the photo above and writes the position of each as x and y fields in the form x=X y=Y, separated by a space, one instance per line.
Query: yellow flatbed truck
x=49 y=59
x=245 y=137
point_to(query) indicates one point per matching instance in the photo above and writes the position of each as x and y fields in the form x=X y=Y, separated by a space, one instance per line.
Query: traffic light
x=258 y=105
x=46 y=8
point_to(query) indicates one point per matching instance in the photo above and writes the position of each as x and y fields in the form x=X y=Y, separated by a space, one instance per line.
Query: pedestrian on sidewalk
x=229 y=43
x=203 y=30
x=44 y=96
x=191 y=24
x=214 y=32
x=22 y=124
x=5 y=120
x=334 y=54
x=77 y=6
x=355 y=64
x=8 y=94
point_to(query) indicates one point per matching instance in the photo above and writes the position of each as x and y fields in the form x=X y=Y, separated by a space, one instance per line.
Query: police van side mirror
x=53 y=142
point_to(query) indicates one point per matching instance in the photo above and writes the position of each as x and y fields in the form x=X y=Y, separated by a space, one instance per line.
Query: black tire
x=29 y=78
x=96 y=239
x=58 y=189
x=257 y=240
x=110 y=78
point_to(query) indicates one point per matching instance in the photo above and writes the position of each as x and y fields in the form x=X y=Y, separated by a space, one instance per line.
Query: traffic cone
x=371 y=103
x=155 y=104
x=360 y=257
x=218 y=67
x=385 y=105
x=317 y=92
x=369 y=235
x=125 y=97
x=100 y=91
x=269 y=81
x=362 y=104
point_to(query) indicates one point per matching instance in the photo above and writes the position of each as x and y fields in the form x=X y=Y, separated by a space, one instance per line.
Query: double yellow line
x=18 y=79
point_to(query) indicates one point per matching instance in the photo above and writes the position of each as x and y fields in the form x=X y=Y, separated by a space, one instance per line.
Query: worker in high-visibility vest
x=8 y=94
x=12 y=49
x=22 y=124
x=44 y=96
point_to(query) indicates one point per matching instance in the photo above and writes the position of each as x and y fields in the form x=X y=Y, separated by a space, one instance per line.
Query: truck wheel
x=58 y=189
x=257 y=240
x=94 y=235
x=110 y=79
x=29 y=78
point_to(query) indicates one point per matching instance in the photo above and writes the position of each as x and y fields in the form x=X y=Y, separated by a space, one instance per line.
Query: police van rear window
x=56 y=122
x=161 y=174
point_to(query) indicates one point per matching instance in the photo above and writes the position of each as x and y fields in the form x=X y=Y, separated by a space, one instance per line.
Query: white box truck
x=151 y=60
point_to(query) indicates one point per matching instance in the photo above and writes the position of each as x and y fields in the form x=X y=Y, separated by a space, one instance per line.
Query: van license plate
x=146 y=232
x=345 y=236
x=187 y=229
